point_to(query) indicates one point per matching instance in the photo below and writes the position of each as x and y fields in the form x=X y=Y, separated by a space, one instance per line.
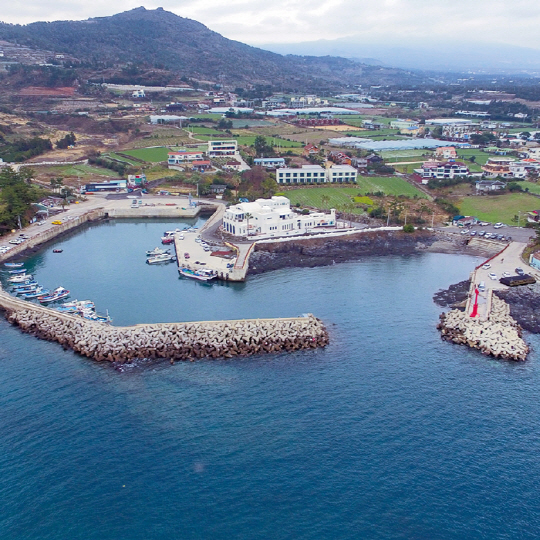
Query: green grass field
x=83 y=171
x=122 y=158
x=499 y=207
x=339 y=196
x=151 y=155
x=532 y=187
x=405 y=155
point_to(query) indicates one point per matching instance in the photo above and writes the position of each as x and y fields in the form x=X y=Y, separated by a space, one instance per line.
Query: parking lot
x=517 y=234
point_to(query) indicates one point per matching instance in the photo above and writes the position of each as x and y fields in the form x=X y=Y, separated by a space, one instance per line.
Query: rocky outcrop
x=312 y=252
x=455 y=294
x=175 y=341
x=499 y=336
x=524 y=304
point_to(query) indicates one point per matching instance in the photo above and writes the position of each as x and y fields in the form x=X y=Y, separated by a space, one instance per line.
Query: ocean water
x=387 y=433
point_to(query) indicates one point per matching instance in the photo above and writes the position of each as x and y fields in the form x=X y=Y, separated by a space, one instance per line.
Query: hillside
x=163 y=40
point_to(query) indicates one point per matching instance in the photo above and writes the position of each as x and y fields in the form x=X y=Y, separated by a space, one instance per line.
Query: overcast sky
x=515 y=22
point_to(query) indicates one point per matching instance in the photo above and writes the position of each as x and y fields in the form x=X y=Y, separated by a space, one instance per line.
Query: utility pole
x=388 y=220
x=432 y=219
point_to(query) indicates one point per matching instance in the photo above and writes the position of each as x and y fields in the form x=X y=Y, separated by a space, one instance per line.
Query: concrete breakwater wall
x=175 y=341
x=47 y=235
x=498 y=336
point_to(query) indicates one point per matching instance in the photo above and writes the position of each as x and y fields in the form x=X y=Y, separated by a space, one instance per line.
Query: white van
x=482 y=286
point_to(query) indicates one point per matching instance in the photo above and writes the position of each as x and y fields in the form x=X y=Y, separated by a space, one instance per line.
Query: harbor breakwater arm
x=175 y=341
x=499 y=336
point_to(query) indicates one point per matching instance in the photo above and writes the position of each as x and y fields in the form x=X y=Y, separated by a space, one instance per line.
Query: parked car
x=16 y=241
x=486 y=266
x=492 y=275
x=498 y=225
x=473 y=233
x=520 y=271
x=506 y=274
x=56 y=222
x=186 y=255
x=481 y=233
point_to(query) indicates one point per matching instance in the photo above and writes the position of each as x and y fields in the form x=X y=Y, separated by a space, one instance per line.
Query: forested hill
x=160 y=39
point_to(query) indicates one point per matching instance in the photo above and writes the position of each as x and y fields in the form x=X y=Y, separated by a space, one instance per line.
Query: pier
x=174 y=341
x=486 y=324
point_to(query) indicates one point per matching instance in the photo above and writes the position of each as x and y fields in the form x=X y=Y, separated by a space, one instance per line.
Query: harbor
x=154 y=292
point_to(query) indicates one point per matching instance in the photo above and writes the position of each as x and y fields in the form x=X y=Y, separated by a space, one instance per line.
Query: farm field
x=338 y=195
x=121 y=158
x=499 y=207
x=532 y=187
x=481 y=157
x=82 y=171
x=152 y=155
x=391 y=156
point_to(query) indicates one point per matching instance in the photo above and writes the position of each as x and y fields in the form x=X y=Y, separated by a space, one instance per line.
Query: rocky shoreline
x=313 y=252
x=524 y=302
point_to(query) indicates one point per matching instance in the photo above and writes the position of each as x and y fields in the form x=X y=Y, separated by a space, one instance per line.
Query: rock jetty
x=499 y=336
x=174 y=341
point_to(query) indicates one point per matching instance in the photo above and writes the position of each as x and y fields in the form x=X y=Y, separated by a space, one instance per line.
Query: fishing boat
x=157 y=251
x=19 y=271
x=201 y=274
x=163 y=258
x=26 y=289
x=30 y=284
x=40 y=291
x=167 y=239
x=57 y=250
x=13 y=265
x=56 y=295
x=78 y=304
x=20 y=278
x=91 y=315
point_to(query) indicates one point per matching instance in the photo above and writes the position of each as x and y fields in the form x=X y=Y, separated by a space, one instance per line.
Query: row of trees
x=16 y=197
x=23 y=149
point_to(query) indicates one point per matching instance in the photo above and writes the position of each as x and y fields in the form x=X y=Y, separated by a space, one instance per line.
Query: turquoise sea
x=387 y=433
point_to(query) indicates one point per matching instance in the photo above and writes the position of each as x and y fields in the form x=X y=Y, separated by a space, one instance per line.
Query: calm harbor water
x=387 y=433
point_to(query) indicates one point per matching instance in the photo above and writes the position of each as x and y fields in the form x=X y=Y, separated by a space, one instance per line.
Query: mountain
x=422 y=55
x=162 y=40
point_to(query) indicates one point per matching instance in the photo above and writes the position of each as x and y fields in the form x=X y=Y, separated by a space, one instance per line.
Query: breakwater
x=175 y=341
x=499 y=336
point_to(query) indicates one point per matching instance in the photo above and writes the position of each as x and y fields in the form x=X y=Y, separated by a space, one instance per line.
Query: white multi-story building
x=440 y=171
x=272 y=217
x=222 y=148
x=184 y=157
x=315 y=174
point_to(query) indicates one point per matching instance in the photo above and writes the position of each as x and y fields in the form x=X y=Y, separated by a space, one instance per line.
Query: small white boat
x=201 y=274
x=13 y=265
x=20 y=278
x=157 y=251
x=163 y=258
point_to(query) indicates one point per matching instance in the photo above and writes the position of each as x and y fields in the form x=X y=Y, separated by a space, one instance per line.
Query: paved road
x=518 y=234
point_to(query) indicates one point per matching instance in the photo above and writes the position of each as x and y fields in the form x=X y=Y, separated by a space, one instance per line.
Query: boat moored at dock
x=21 y=278
x=57 y=294
x=157 y=251
x=163 y=258
x=201 y=274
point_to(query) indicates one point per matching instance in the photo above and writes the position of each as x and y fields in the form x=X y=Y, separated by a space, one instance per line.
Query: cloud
x=287 y=21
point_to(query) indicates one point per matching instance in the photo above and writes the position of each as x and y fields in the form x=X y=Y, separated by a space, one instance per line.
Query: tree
x=56 y=183
x=408 y=228
x=261 y=146
x=16 y=197
x=65 y=193
x=472 y=159
x=325 y=199
x=248 y=216
x=68 y=140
